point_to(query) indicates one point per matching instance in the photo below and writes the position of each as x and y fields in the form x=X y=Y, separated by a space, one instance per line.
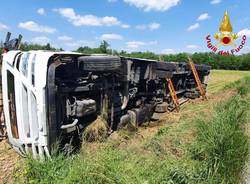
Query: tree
x=216 y=61
x=1 y=47
x=47 y=47
x=104 y=47
x=29 y=46
x=85 y=50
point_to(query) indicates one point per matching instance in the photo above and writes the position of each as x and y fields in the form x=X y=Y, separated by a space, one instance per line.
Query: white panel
x=25 y=111
x=33 y=117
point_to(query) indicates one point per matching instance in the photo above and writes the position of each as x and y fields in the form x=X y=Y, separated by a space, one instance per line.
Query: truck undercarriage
x=120 y=90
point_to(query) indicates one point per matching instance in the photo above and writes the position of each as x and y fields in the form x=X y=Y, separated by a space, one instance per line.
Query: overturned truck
x=54 y=95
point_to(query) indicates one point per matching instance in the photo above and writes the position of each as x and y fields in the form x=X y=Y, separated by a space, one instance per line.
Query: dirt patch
x=8 y=163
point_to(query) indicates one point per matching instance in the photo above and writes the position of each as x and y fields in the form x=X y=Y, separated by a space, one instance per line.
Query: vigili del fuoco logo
x=227 y=38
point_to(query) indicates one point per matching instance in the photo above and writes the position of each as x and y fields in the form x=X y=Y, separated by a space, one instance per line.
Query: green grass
x=220 y=78
x=222 y=142
x=206 y=143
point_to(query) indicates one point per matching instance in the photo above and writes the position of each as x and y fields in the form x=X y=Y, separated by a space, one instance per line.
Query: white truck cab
x=24 y=79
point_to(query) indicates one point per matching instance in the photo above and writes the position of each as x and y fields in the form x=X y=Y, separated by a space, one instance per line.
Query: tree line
x=231 y=62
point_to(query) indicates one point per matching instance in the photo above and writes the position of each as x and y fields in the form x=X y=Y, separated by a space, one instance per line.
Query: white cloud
x=111 y=37
x=193 y=27
x=154 y=26
x=155 y=5
x=40 y=40
x=65 y=38
x=215 y=1
x=125 y=26
x=137 y=44
x=203 y=16
x=3 y=26
x=192 y=46
x=33 y=26
x=41 y=11
x=88 y=20
x=244 y=32
x=170 y=51
x=142 y=27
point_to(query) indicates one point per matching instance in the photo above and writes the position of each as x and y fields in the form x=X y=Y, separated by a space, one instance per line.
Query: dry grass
x=8 y=163
x=96 y=131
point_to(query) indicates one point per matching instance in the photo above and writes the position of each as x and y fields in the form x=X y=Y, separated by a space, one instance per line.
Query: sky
x=160 y=26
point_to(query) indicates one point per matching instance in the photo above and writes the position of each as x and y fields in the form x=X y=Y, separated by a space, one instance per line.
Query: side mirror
x=13 y=44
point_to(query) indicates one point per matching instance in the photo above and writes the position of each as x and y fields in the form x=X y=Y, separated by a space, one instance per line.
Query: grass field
x=219 y=78
x=170 y=150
